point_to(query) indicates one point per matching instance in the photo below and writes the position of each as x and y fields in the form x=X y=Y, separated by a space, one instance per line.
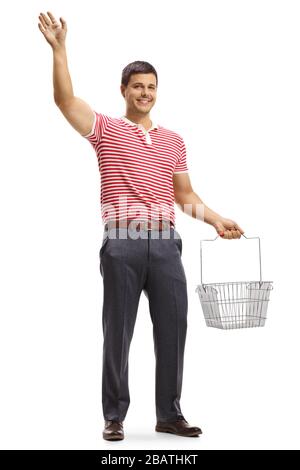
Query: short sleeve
x=98 y=128
x=181 y=165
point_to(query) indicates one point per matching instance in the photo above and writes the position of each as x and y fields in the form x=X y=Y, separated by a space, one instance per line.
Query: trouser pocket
x=103 y=246
x=178 y=240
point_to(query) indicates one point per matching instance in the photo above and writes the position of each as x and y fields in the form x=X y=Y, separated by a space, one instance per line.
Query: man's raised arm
x=78 y=113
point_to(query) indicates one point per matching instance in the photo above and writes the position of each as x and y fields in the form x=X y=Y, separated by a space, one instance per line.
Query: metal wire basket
x=228 y=305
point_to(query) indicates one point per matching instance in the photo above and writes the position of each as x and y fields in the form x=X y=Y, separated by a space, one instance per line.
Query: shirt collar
x=154 y=124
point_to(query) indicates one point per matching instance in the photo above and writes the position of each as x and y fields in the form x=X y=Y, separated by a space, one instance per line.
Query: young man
x=143 y=171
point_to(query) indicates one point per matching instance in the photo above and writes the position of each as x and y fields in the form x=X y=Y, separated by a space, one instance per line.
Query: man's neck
x=145 y=121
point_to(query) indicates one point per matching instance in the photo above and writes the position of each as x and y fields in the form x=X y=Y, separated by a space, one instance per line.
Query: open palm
x=54 y=34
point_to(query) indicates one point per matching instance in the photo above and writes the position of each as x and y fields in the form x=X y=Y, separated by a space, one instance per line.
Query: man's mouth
x=144 y=101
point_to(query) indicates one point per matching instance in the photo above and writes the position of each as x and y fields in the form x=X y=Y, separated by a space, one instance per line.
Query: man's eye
x=137 y=86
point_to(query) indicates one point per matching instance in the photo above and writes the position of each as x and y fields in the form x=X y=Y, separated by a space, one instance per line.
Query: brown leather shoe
x=180 y=427
x=113 y=431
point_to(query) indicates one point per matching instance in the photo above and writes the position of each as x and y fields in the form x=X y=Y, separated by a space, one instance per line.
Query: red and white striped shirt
x=136 y=168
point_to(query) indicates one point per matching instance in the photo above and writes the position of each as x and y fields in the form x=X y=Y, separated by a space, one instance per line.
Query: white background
x=229 y=79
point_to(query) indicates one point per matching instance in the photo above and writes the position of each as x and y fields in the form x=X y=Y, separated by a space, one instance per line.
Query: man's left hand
x=228 y=229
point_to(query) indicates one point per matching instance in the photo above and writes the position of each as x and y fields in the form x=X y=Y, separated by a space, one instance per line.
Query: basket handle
x=213 y=239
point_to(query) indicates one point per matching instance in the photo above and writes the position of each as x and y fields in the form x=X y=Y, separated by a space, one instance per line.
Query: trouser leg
x=166 y=290
x=122 y=266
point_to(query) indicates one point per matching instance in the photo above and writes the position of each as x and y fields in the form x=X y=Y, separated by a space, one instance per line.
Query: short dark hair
x=138 y=66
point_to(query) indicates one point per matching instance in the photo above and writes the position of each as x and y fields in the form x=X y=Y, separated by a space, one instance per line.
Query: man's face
x=141 y=86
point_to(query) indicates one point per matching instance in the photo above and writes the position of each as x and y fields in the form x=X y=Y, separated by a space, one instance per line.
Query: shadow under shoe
x=113 y=431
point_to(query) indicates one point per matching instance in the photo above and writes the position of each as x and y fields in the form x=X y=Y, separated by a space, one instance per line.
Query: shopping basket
x=228 y=305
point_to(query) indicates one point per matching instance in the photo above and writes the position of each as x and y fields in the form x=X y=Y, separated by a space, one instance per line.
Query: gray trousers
x=132 y=262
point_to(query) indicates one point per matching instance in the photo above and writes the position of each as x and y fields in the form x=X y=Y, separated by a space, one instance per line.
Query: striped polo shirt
x=136 y=168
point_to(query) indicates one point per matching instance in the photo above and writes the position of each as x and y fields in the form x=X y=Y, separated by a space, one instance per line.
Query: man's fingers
x=63 y=23
x=228 y=234
x=46 y=21
x=239 y=228
x=234 y=234
x=231 y=234
x=53 y=20
x=43 y=30
x=43 y=23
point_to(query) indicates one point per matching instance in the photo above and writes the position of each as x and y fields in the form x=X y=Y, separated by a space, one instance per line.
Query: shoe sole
x=113 y=438
x=194 y=434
